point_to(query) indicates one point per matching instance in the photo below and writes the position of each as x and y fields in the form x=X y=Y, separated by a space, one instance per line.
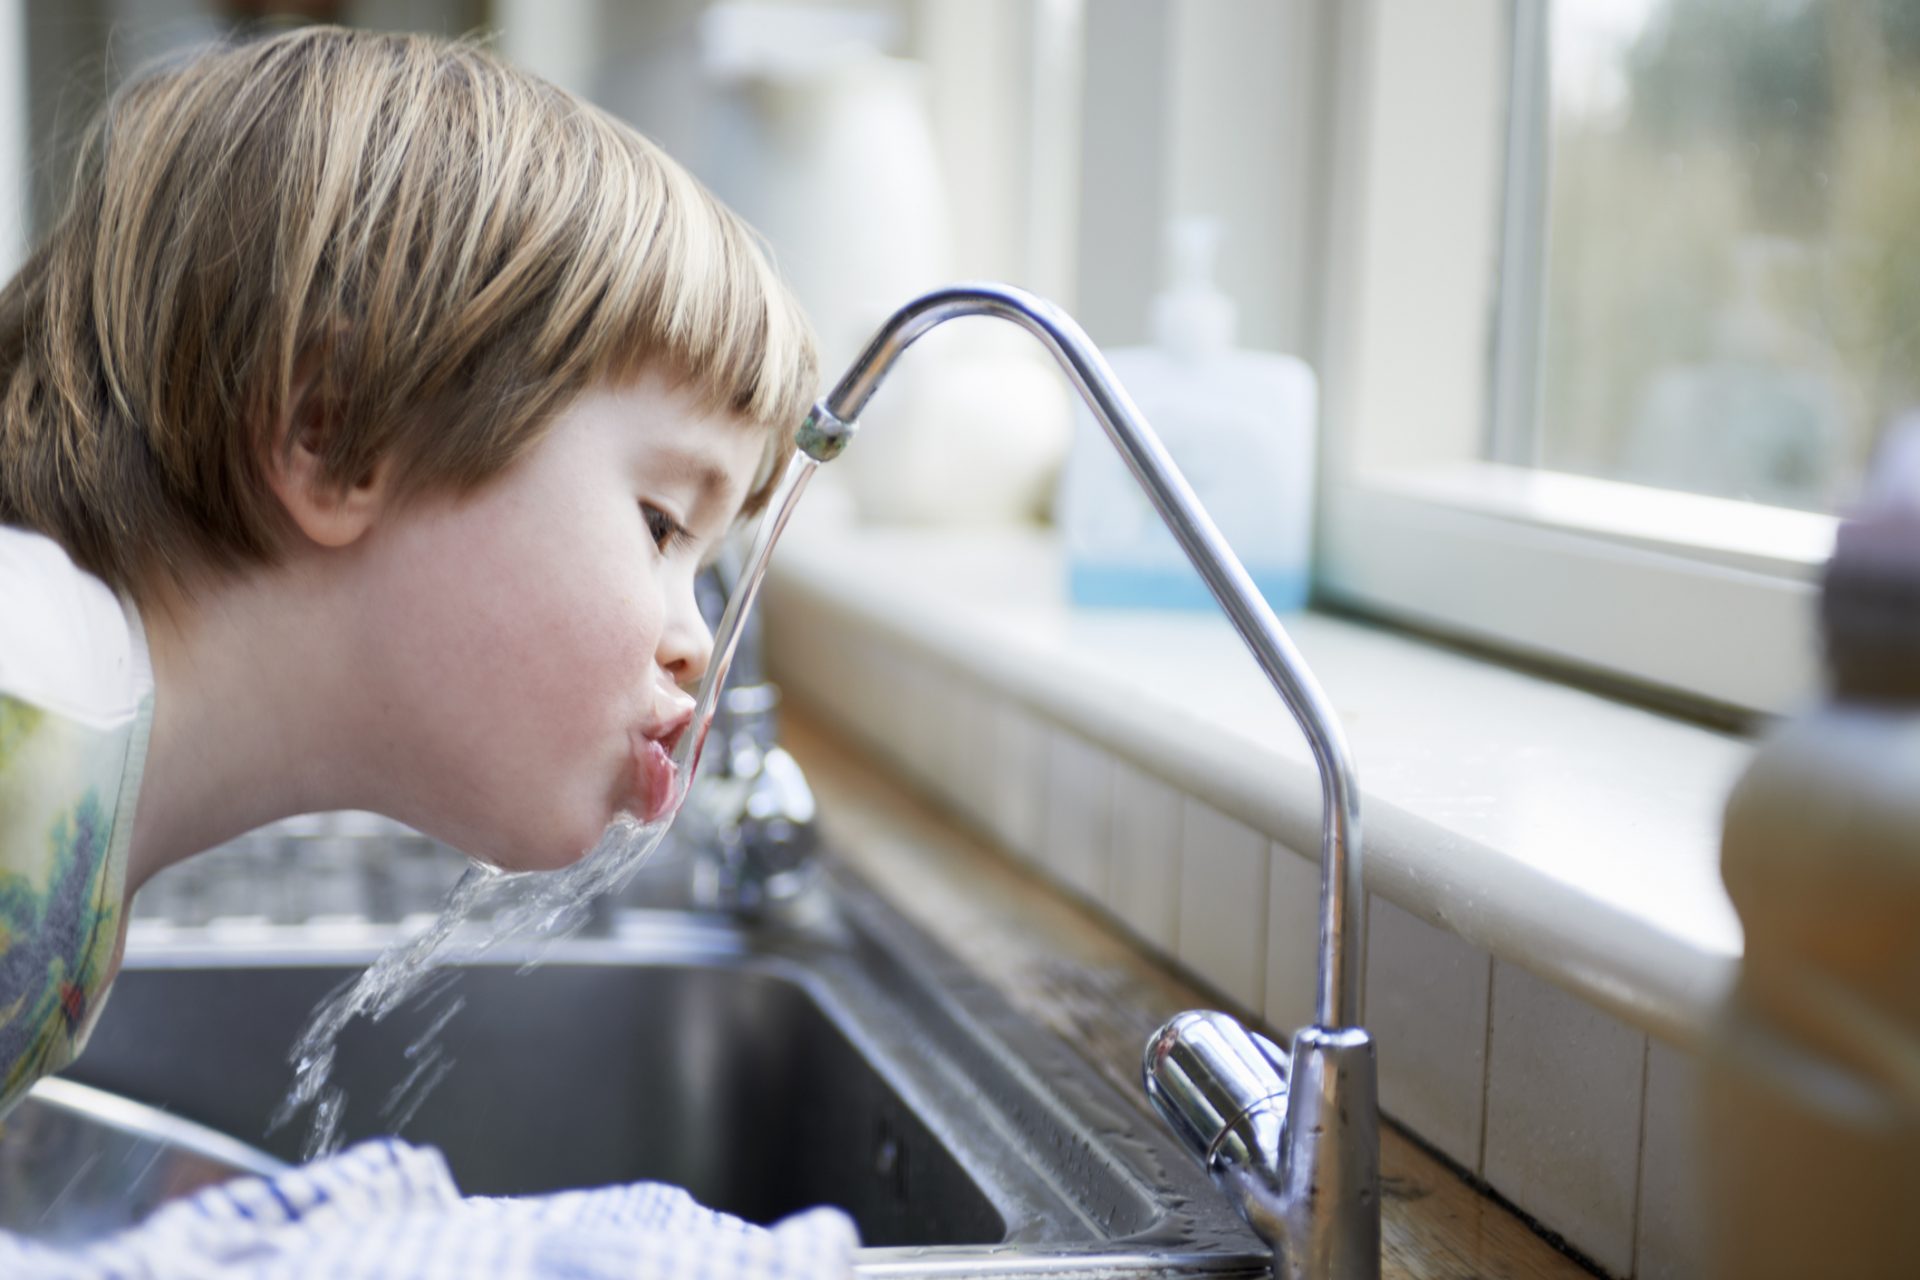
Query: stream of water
x=540 y=906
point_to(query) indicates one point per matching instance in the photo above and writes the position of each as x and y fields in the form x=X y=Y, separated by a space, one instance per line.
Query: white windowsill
x=1572 y=835
x=1739 y=535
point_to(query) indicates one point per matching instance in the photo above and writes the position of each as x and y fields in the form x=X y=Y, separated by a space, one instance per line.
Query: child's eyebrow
x=708 y=476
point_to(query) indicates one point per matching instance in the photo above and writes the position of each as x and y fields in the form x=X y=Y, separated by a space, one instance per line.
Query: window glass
x=1732 y=261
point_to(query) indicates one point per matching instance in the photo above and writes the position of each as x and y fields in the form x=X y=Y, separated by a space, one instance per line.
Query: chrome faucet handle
x=1271 y=1130
x=1208 y=1077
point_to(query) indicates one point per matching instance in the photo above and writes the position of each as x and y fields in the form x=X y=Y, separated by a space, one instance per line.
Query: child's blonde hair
x=422 y=249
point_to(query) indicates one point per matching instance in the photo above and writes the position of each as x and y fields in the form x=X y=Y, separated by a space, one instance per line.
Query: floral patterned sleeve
x=68 y=780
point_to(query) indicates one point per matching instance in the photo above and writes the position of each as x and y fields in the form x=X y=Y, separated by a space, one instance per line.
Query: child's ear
x=329 y=514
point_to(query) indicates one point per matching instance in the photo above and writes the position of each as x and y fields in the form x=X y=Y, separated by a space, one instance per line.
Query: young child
x=363 y=423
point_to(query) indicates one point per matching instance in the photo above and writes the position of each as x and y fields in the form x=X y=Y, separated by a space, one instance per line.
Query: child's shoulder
x=67 y=643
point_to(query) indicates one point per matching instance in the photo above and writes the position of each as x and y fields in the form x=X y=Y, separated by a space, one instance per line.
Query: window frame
x=1425 y=516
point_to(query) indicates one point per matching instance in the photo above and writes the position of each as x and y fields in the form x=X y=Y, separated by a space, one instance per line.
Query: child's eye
x=667 y=532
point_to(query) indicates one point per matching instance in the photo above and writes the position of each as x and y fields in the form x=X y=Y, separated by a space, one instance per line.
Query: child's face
x=532 y=639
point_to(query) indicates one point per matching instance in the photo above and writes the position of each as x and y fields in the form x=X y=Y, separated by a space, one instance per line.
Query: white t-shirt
x=76 y=706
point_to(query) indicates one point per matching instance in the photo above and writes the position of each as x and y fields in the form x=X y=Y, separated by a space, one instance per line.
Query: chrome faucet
x=1292 y=1138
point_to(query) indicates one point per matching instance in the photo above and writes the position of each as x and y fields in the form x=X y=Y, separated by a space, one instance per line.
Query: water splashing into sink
x=540 y=905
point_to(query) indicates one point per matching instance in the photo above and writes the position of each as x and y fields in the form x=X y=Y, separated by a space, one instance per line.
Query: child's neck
x=251 y=719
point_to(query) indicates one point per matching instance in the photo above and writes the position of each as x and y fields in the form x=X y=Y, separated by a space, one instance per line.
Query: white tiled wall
x=1580 y=1120
x=1016 y=804
x=963 y=725
x=1224 y=866
x=1564 y=1114
x=1144 y=879
x=1427 y=1008
x=1670 y=1244
x=1293 y=938
x=1079 y=814
x=924 y=700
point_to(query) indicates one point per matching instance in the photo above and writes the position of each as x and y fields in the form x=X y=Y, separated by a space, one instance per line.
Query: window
x=1752 y=337
x=1621 y=294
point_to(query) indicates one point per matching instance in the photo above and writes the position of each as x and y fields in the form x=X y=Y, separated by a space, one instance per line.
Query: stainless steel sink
x=843 y=1061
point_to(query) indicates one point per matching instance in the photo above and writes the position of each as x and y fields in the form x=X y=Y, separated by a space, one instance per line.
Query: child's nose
x=685 y=643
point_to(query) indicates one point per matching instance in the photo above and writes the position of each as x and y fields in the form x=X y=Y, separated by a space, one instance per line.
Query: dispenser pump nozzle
x=1192 y=317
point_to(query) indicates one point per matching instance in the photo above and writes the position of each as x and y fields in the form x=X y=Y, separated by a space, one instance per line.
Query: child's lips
x=654 y=778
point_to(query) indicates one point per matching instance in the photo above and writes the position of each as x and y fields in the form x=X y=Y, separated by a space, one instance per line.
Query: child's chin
x=552 y=855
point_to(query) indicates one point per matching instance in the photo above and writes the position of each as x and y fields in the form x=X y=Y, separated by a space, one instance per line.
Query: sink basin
x=847 y=1061
x=728 y=1079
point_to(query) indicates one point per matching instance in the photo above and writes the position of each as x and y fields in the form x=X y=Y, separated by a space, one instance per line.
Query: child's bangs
x=688 y=286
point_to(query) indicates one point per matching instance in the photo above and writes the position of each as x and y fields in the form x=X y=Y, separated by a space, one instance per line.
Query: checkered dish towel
x=384 y=1210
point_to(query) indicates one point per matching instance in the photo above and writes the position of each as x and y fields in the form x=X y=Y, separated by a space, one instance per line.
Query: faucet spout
x=831 y=425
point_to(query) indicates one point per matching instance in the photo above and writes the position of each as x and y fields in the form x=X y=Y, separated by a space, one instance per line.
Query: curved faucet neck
x=827 y=431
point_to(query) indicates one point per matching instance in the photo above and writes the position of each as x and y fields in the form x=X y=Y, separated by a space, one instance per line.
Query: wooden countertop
x=1073 y=971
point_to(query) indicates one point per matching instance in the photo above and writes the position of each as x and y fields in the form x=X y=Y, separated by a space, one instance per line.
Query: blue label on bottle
x=1102 y=586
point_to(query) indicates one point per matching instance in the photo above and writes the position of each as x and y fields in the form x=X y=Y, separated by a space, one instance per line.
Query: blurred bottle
x=1240 y=426
x=1812 y=1077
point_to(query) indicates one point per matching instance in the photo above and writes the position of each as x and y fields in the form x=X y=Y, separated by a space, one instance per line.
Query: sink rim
x=141 y=1120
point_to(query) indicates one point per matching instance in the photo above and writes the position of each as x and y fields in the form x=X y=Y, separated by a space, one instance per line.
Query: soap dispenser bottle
x=1811 y=1098
x=1240 y=426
